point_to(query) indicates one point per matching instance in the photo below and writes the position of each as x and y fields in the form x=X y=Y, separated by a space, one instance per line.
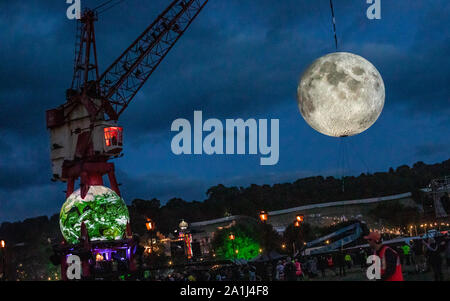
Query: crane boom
x=84 y=131
x=124 y=78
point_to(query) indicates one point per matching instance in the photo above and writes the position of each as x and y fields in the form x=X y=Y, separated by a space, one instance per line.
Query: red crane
x=84 y=131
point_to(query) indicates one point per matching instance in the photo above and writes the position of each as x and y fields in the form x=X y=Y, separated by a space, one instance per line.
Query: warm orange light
x=150 y=225
x=297 y=224
x=2 y=244
x=299 y=218
x=232 y=237
x=99 y=257
x=263 y=216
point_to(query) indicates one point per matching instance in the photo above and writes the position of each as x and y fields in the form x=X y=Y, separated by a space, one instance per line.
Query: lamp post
x=3 y=256
x=299 y=218
x=263 y=216
x=297 y=224
x=232 y=238
x=150 y=225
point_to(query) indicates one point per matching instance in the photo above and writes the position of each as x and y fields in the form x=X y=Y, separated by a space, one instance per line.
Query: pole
x=3 y=254
x=151 y=242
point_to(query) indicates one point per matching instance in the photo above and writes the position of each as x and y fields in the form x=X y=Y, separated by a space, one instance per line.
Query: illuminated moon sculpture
x=341 y=94
x=104 y=213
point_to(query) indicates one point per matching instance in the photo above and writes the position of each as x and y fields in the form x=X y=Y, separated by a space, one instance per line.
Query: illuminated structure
x=84 y=131
x=186 y=236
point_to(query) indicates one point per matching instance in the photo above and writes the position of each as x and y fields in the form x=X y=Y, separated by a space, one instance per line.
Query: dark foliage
x=250 y=200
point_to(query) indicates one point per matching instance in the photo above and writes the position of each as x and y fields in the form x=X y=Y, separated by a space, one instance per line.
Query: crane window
x=113 y=136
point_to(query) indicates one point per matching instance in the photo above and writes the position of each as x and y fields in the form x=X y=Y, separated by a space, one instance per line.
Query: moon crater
x=341 y=94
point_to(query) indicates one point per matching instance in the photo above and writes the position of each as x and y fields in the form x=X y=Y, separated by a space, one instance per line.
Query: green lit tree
x=250 y=238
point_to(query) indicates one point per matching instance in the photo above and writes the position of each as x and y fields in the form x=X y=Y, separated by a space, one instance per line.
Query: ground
x=355 y=274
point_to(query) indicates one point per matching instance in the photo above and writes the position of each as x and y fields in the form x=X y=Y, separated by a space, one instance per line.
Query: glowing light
x=149 y=225
x=263 y=216
x=99 y=257
x=113 y=136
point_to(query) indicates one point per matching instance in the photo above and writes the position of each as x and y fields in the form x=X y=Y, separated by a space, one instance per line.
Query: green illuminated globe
x=102 y=210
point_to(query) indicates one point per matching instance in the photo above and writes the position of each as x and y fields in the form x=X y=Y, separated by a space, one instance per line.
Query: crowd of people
x=412 y=257
x=419 y=256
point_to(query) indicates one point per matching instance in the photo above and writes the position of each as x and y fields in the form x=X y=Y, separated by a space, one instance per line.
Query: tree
x=297 y=236
x=250 y=238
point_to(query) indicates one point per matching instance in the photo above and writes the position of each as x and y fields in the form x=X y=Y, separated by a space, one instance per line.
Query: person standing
x=289 y=270
x=434 y=258
x=340 y=261
x=391 y=267
x=322 y=264
x=279 y=271
x=330 y=264
x=407 y=253
x=298 y=269
x=348 y=261
x=362 y=259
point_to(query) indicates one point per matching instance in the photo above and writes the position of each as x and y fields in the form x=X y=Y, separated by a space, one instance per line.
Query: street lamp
x=3 y=257
x=150 y=225
x=232 y=238
x=263 y=216
x=299 y=218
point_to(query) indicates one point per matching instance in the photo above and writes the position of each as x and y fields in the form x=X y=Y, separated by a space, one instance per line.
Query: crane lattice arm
x=123 y=79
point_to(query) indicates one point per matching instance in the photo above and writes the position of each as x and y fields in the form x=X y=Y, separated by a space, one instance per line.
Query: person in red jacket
x=391 y=268
x=298 y=269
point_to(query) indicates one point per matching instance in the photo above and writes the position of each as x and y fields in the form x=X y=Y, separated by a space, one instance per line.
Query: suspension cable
x=334 y=24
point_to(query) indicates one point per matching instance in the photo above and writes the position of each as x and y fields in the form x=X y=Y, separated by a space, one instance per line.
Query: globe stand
x=90 y=174
x=90 y=253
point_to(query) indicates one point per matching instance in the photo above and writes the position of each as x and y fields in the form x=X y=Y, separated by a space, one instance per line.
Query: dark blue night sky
x=239 y=59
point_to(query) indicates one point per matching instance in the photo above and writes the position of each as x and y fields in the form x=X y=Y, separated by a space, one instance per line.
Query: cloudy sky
x=239 y=59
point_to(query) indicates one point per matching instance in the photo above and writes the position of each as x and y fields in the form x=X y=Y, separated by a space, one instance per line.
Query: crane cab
x=75 y=137
x=111 y=138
